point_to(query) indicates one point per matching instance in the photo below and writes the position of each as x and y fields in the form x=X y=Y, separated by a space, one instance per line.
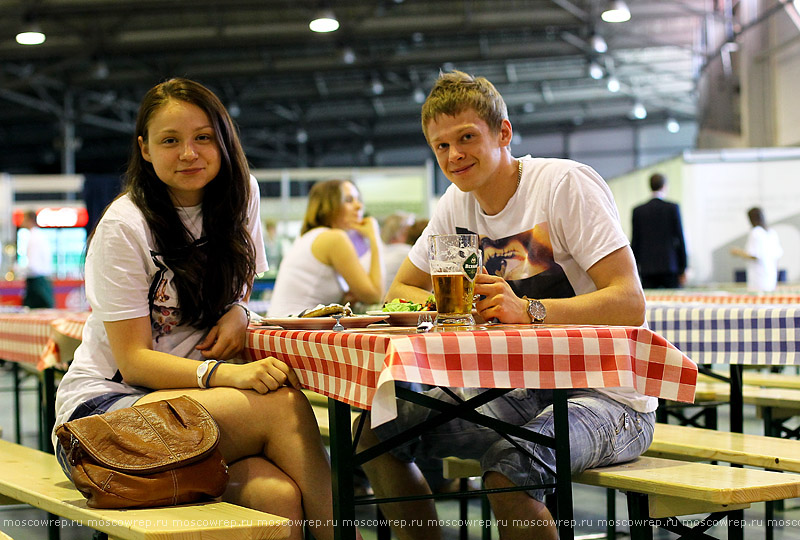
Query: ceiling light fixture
x=599 y=43
x=325 y=21
x=616 y=12
x=613 y=84
x=100 y=70
x=672 y=125
x=639 y=112
x=31 y=34
x=595 y=70
x=348 y=56
x=377 y=86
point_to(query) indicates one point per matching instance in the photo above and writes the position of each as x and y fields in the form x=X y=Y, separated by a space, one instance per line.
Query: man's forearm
x=407 y=292
x=612 y=306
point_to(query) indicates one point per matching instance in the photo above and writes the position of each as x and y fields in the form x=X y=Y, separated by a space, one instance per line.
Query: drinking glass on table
x=455 y=260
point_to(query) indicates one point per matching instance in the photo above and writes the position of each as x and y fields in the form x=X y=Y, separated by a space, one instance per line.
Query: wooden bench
x=698 y=444
x=774 y=405
x=659 y=488
x=759 y=378
x=33 y=477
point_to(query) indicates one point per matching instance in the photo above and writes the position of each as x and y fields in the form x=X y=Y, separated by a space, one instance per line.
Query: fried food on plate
x=325 y=311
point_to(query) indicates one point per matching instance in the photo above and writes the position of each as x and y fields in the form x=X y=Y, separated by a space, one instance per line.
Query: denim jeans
x=602 y=432
x=97 y=405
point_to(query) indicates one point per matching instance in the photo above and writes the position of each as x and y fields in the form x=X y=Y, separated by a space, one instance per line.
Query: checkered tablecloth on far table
x=360 y=368
x=735 y=334
x=25 y=335
x=725 y=298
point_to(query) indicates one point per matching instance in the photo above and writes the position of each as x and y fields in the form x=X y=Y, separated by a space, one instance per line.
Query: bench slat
x=674 y=488
x=715 y=484
x=35 y=478
x=691 y=443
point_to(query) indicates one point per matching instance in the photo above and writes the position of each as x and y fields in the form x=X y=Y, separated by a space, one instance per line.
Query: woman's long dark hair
x=212 y=273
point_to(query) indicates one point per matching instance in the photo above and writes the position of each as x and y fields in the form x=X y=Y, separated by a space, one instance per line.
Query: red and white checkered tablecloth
x=71 y=325
x=25 y=336
x=360 y=368
x=725 y=298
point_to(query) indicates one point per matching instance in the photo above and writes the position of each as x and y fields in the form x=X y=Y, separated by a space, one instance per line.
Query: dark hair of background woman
x=211 y=275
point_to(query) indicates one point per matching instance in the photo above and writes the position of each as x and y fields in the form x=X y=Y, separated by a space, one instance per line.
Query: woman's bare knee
x=257 y=483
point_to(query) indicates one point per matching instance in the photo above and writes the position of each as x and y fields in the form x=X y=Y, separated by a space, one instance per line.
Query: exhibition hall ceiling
x=350 y=96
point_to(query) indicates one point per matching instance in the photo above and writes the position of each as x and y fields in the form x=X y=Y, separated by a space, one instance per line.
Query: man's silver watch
x=536 y=310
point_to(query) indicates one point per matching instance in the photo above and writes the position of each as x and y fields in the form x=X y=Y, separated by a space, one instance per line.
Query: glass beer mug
x=455 y=260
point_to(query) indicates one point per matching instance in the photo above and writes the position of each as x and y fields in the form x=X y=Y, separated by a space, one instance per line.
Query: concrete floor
x=22 y=522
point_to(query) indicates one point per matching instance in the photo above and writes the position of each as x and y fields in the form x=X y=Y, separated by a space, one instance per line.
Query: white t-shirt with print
x=558 y=224
x=121 y=266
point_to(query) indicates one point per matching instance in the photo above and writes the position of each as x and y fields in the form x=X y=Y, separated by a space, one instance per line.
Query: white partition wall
x=384 y=189
x=715 y=189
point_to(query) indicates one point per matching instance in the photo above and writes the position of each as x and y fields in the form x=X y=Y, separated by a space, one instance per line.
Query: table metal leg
x=342 y=470
x=566 y=530
x=48 y=409
x=735 y=525
x=17 y=411
x=737 y=407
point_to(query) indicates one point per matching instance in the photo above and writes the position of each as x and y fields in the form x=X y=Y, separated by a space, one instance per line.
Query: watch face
x=536 y=310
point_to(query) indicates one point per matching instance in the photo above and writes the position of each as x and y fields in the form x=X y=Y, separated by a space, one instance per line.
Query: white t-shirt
x=764 y=245
x=559 y=223
x=304 y=281
x=121 y=268
x=40 y=254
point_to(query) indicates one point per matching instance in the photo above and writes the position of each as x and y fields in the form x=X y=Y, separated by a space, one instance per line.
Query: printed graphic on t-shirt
x=163 y=317
x=525 y=260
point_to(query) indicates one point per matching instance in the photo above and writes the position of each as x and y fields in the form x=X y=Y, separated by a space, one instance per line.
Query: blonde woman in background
x=322 y=266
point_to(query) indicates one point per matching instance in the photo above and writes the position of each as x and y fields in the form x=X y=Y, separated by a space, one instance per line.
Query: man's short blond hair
x=456 y=91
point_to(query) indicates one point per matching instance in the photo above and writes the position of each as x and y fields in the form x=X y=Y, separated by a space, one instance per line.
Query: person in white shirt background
x=762 y=251
x=38 y=287
x=395 y=248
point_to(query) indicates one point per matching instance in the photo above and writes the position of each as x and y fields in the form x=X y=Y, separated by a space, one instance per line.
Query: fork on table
x=425 y=322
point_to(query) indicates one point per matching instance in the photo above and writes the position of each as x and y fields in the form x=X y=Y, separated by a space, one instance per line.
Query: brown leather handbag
x=157 y=454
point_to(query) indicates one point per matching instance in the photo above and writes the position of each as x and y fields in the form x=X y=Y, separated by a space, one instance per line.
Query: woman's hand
x=368 y=227
x=265 y=375
x=498 y=301
x=226 y=339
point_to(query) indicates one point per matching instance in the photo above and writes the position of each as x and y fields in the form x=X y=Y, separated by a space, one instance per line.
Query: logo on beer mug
x=470 y=266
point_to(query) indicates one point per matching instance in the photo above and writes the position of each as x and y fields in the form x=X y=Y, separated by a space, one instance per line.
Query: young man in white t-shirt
x=553 y=251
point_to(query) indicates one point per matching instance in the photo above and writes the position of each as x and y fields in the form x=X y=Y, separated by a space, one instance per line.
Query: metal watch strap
x=536 y=310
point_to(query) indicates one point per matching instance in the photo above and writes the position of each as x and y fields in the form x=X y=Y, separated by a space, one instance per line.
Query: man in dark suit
x=657 y=239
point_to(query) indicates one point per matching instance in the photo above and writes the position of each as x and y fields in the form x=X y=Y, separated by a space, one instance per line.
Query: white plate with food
x=403 y=318
x=323 y=323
